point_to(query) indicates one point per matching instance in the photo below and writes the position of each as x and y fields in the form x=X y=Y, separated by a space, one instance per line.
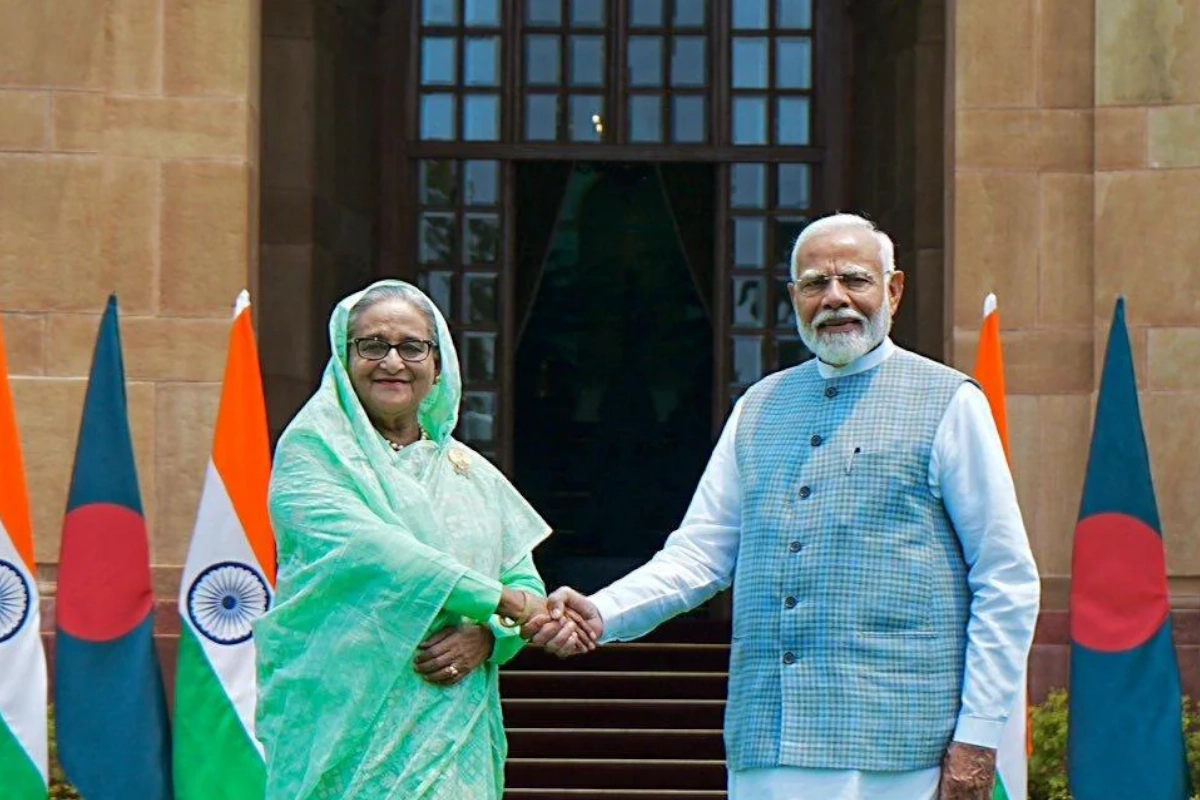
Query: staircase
x=640 y=720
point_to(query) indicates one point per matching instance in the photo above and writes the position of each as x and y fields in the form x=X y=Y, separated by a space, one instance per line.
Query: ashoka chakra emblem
x=14 y=600
x=225 y=599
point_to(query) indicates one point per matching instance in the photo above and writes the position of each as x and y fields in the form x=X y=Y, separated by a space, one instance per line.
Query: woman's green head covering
x=439 y=410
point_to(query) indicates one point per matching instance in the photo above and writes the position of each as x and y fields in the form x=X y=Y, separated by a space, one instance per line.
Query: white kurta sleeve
x=970 y=472
x=697 y=560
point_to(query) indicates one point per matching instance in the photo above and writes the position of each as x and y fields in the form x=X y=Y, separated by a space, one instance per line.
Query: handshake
x=565 y=624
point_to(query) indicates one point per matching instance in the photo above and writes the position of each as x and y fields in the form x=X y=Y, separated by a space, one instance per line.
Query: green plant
x=1048 y=764
x=60 y=788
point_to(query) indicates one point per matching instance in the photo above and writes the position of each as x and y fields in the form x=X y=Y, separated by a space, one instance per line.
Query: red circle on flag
x=1119 y=593
x=104 y=572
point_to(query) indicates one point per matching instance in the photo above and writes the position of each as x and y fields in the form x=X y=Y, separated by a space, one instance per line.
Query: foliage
x=1048 y=764
x=60 y=789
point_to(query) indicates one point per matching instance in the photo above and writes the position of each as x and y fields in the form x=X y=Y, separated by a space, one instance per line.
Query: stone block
x=205 y=239
x=176 y=127
x=285 y=312
x=1066 y=215
x=135 y=61
x=1146 y=52
x=287 y=216
x=1064 y=433
x=24 y=343
x=995 y=245
x=76 y=228
x=207 y=47
x=1175 y=136
x=289 y=104
x=995 y=55
x=53 y=43
x=23 y=117
x=1173 y=356
x=78 y=122
x=156 y=348
x=1034 y=140
x=1146 y=240
x=48 y=415
x=1037 y=361
x=1138 y=343
x=1174 y=442
x=288 y=18
x=187 y=415
x=1122 y=138
x=1066 y=53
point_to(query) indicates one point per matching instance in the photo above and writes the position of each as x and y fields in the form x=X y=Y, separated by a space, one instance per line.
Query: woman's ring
x=453 y=670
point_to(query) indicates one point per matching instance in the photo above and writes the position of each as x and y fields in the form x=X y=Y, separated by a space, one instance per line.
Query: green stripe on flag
x=22 y=781
x=214 y=756
x=999 y=793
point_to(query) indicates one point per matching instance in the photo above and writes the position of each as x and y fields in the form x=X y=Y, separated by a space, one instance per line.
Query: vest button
x=831 y=391
x=815 y=441
x=789 y=658
x=794 y=547
x=789 y=602
x=805 y=492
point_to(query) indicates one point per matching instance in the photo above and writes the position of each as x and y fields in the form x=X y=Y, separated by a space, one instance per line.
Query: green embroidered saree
x=377 y=550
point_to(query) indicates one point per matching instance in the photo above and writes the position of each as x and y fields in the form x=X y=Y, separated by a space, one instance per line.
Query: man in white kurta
x=837 y=263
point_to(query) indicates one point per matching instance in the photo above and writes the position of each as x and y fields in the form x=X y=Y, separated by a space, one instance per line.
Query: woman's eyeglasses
x=410 y=350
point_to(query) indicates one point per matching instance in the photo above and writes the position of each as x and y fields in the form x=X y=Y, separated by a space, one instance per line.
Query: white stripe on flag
x=23 y=670
x=1012 y=763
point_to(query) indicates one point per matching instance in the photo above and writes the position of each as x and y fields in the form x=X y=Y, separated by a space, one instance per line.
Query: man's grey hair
x=379 y=294
x=841 y=222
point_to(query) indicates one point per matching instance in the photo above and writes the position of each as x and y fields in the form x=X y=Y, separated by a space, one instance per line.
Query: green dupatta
x=371 y=543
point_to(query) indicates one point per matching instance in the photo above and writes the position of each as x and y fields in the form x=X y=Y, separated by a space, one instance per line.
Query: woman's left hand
x=453 y=653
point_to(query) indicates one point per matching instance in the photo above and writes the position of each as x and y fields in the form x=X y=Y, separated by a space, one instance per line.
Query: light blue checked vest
x=850 y=596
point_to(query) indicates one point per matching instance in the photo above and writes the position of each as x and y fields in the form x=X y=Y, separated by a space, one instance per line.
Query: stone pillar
x=128 y=161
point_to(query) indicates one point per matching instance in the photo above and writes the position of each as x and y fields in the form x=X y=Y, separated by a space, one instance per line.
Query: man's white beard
x=839 y=349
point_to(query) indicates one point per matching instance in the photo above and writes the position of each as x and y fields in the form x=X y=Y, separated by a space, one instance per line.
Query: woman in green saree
x=405 y=571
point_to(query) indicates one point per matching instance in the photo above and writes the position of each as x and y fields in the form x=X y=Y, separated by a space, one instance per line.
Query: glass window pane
x=587 y=60
x=747 y=359
x=437 y=183
x=437 y=116
x=439 y=12
x=541 y=117
x=587 y=118
x=749 y=303
x=690 y=13
x=688 y=64
x=785 y=314
x=791 y=120
x=483 y=239
x=793 y=13
x=481 y=117
x=481 y=181
x=645 y=61
x=439 y=60
x=438 y=285
x=479 y=298
x=481 y=62
x=543 y=12
x=748 y=186
x=541 y=61
x=794 y=186
x=478 y=422
x=689 y=121
x=749 y=120
x=646 y=13
x=645 y=118
x=793 y=63
x=786 y=230
x=750 y=14
x=791 y=352
x=587 y=13
x=749 y=242
x=437 y=237
x=482 y=13
x=751 y=62
x=480 y=356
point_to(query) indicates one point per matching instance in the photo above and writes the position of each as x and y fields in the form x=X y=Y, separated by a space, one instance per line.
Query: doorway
x=614 y=357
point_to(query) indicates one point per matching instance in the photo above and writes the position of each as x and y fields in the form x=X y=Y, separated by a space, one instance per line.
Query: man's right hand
x=551 y=630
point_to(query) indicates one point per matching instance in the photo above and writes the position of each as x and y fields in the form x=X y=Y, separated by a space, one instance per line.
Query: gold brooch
x=460 y=461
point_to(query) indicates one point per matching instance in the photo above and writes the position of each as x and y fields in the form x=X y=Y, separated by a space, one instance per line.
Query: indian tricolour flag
x=1012 y=758
x=23 y=743
x=228 y=582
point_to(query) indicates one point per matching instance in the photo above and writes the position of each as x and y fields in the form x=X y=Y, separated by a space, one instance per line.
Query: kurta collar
x=863 y=363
